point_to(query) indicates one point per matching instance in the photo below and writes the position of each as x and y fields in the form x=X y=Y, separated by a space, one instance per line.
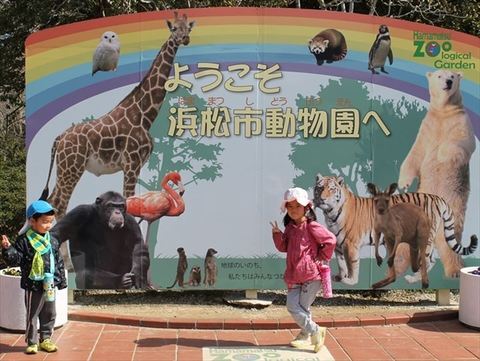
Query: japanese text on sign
x=277 y=122
x=248 y=271
x=212 y=70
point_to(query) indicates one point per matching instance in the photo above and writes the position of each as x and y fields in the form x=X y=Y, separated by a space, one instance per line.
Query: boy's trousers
x=41 y=310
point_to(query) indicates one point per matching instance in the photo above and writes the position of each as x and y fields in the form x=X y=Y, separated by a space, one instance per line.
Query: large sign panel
x=202 y=119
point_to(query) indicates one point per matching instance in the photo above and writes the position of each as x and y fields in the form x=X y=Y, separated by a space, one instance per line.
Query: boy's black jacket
x=21 y=254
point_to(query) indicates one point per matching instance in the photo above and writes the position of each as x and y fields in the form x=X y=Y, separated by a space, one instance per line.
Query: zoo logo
x=432 y=48
x=438 y=47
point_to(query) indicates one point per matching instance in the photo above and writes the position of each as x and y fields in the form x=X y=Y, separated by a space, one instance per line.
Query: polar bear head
x=444 y=88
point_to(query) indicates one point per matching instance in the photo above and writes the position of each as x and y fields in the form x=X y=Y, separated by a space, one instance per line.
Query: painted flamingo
x=153 y=205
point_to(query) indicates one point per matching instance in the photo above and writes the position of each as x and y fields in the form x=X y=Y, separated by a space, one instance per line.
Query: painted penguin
x=381 y=49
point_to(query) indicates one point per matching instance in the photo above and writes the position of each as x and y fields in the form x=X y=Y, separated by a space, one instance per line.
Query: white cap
x=295 y=194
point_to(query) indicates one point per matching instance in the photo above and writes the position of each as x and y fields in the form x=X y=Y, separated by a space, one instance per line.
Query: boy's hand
x=5 y=241
x=275 y=228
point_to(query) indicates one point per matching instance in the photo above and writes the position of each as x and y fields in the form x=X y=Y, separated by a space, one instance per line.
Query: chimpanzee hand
x=128 y=280
x=140 y=282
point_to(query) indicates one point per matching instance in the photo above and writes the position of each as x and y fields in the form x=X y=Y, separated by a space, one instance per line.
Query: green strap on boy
x=41 y=245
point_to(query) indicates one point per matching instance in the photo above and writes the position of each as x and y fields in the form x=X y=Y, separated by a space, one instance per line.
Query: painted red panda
x=329 y=45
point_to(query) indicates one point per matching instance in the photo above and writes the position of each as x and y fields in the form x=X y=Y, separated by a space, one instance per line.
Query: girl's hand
x=275 y=228
x=5 y=241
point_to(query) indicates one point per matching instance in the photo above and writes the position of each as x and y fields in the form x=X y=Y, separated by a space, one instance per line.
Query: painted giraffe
x=120 y=139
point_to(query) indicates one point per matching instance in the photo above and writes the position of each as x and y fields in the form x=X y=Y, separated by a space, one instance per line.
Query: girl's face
x=42 y=224
x=296 y=211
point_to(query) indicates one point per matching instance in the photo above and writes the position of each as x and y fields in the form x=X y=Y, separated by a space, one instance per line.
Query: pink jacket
x=305 y=244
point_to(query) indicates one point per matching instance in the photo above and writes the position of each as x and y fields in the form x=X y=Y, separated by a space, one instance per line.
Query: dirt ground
x=214 y=304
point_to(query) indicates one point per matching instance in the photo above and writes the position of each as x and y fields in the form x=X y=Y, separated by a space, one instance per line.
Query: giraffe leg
x=59 y=199
x=130 y=177
x=66 y=182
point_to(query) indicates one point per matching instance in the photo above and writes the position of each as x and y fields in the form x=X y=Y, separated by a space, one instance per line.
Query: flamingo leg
x=149 y=272
x=147 y=236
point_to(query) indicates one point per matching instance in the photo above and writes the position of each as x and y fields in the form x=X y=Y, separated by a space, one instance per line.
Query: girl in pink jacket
x=306 y=242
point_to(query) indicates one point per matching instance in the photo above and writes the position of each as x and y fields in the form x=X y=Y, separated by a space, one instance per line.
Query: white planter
x=12 y=304
x=469 y=309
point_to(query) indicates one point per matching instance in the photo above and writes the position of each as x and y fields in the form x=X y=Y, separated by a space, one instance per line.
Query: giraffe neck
x=150 y=93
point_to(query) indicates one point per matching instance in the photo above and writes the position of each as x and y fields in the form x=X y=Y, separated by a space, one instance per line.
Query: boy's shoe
x=32 y=349
x=301 y=340
x=48 y=346
x=318 y=338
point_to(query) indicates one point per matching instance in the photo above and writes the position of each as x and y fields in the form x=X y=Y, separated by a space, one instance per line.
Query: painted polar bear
x=441 y=154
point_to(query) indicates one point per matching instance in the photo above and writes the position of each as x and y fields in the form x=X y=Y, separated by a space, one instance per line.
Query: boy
x=37 y=254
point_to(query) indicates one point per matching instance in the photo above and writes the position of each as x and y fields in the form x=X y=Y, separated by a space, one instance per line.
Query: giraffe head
x=180 y=29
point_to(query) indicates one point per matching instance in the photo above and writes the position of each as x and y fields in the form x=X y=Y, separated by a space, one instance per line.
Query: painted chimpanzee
x=106 y=244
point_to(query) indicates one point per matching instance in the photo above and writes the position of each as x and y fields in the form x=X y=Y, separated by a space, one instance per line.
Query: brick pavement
x=89 y=341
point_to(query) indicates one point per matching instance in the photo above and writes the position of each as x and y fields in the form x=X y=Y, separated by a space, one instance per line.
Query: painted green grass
x=267 y=273
x=237 y=273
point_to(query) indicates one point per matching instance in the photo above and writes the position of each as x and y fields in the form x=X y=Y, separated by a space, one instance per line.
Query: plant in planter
x=475 y=271
x=12 y=271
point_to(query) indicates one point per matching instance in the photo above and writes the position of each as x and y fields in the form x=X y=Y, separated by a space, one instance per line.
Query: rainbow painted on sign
x=58 y=60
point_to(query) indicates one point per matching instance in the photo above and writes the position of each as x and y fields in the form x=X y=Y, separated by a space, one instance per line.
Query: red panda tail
x=341 y=55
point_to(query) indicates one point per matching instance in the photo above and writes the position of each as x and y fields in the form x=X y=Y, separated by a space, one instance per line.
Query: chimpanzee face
x=111 y=208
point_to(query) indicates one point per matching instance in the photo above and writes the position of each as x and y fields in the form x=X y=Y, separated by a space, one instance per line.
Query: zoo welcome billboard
x=203 y=119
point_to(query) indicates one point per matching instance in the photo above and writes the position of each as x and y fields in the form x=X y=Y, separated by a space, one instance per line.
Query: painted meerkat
x=182 y=266
x=195 y=276
x=210 y=277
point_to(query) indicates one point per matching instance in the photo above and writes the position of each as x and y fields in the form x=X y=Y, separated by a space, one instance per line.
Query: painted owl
x=105 y=57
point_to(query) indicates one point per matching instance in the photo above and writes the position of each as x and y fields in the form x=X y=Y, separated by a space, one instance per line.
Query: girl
x=306 y=242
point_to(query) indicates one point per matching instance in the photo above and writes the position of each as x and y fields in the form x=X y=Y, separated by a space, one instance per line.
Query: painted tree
x=196 y=159
x=374 y=156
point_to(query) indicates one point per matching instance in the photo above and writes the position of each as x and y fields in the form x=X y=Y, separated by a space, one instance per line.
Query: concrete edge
x=261 y=324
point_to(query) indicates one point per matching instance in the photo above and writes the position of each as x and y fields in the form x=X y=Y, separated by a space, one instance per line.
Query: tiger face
x=328 y=193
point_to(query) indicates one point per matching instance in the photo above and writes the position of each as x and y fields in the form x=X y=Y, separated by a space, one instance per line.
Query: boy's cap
x=295 y=194
x=39 y=207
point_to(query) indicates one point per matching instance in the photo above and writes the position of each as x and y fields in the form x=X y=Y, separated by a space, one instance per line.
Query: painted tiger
x=351 y=219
